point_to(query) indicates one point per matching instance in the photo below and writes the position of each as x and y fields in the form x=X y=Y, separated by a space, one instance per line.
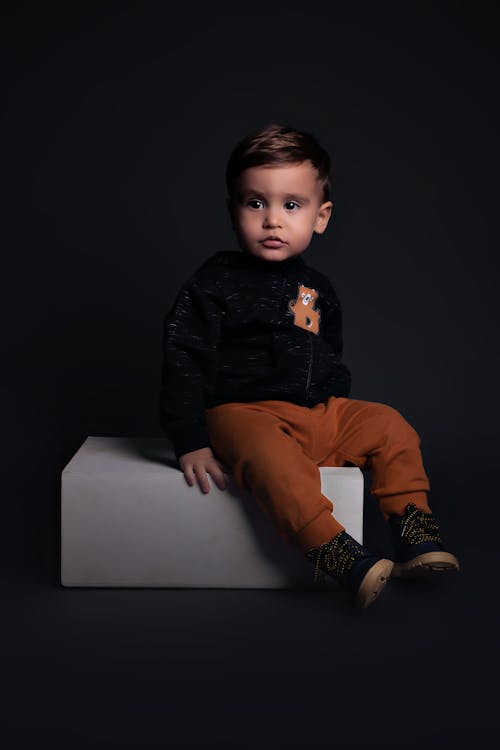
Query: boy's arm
x=191 y=333
x=333 y=334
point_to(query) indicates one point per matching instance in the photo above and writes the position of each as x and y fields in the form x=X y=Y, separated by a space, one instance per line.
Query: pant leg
x=375 y=436
x=266 y=446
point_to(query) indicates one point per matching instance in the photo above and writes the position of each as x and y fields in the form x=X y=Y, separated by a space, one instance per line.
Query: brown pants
x=274 y=448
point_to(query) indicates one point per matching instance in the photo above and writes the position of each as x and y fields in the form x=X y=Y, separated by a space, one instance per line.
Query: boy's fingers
x=202 y=478
x=189 y=475
x=217 y=475
x=198 y=474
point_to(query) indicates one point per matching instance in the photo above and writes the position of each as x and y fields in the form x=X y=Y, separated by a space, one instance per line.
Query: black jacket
x=244 y=329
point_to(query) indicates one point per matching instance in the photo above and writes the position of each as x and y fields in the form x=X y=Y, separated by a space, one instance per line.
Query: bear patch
x=305 y=314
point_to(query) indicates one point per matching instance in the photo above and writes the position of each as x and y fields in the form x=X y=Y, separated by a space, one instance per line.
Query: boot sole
x=374 y=583
x=426 y=565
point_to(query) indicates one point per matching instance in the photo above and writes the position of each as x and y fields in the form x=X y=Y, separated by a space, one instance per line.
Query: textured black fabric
x=231 y=337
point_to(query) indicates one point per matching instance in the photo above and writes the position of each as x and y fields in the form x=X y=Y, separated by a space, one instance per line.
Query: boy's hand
x=196 y=465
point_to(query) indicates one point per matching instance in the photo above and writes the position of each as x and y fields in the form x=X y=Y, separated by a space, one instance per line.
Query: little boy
x=253 y=377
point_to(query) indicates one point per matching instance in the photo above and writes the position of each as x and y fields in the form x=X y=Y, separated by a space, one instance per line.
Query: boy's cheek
x=246 y=227
x=243 y=217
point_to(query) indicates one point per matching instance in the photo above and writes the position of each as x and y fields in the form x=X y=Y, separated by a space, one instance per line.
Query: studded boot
x=419 y=550
x=355 y=569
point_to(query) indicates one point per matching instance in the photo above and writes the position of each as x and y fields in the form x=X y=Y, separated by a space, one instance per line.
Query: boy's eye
x=255 y=203
x=291 y=205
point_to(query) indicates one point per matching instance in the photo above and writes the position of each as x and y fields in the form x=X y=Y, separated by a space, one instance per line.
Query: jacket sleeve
x=190 y=337
x=334 y=336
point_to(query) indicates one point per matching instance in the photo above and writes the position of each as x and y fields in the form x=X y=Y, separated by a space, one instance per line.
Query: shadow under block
x=128 y=518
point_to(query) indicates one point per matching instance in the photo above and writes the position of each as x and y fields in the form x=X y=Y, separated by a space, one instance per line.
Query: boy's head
x=278 y=182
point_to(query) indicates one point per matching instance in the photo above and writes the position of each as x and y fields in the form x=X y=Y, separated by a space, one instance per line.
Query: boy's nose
x=271 y=219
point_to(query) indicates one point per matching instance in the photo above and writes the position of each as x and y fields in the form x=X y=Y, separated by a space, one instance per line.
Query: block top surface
x=126 y=455
x=132 y=455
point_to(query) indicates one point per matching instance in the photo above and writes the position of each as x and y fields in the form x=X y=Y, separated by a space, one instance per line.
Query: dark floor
x=160 y=668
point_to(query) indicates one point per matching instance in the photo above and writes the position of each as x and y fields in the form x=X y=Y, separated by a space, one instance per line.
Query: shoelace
x=336 y=556
x=419 y=526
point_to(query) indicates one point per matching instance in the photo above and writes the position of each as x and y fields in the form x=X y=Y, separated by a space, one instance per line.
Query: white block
x=128 y=518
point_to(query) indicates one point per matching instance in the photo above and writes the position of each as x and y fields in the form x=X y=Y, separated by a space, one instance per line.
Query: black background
x=118 y=118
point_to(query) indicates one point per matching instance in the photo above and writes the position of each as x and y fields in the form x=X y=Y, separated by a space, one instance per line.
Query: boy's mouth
x=272 y=242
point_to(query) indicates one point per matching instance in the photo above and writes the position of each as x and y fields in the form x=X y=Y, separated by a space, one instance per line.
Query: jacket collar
x=239 y=259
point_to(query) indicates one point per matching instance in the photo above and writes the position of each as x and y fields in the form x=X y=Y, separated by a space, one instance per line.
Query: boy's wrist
x=191 y=439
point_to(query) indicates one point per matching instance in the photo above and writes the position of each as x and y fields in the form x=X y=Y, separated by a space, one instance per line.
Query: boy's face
x=278 y=209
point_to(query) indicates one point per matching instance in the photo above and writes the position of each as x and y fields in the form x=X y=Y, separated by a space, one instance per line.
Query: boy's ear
x=323 y=217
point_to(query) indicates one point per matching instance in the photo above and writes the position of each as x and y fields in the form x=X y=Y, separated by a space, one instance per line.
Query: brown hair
x=275 y=145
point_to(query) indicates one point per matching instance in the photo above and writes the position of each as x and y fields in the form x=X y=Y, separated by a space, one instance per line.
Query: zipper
x=309 y=372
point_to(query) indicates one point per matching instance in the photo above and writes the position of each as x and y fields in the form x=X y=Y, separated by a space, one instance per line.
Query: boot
x=419 y=550
x=355 y=569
